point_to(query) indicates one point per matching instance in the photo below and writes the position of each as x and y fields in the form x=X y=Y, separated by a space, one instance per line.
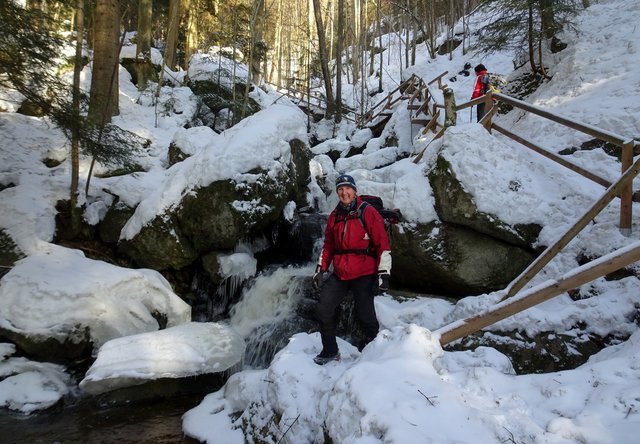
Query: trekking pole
x=470 y=114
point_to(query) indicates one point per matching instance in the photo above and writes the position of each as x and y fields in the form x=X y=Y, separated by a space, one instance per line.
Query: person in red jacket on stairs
x=479 y=89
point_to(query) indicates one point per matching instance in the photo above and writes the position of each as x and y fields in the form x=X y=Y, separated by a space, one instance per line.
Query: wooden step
x=420 y=121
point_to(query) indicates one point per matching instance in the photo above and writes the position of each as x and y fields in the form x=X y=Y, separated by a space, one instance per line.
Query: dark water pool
x=156 y=423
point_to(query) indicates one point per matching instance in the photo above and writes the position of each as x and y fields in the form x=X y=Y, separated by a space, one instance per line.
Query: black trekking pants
x=480 y=111
x=333 y=293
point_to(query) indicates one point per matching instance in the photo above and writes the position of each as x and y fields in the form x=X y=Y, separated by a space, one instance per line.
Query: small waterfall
x=271 y=310
x=211 y=302
x=268 y=308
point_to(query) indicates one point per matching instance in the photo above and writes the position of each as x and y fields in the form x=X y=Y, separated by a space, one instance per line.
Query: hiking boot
x=322 y=359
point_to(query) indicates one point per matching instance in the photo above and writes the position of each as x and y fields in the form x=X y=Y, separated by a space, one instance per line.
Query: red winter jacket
x=478 y=89
x=345 y=232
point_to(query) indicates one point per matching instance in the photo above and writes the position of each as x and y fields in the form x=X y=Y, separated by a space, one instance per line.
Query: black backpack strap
x=360 y=211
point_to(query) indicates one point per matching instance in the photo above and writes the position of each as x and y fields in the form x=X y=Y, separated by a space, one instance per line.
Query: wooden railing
x=383 y=106
x=550 y=289
x=309 y=99
x=418 y=94
x=513 y=302
x=628 y=146
x=420 y=101
x=424 y=102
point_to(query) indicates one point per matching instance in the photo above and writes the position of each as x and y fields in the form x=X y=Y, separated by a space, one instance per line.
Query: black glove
x=317 y=278
x=383 y=281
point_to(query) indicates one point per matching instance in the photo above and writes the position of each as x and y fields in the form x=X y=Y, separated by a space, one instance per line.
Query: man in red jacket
x=479 y=89
x=356 y=242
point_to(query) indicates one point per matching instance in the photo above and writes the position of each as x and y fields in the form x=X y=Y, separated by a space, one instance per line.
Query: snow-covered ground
x=403 y=387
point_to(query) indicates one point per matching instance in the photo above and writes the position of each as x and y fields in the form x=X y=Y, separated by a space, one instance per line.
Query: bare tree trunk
x=332 y=20
x=258 y=46
x=413 y=43
x=144 y=67
x=532 y=59
x=277 y=66
x=255 y=30
x=465 y=27
x=381 y=52
x=103 y=103
x=191 y=44
x=452 y=24
x=172 y=34
x=75 y=137
x=406 y=21
x=339 y=61
x=105 y=87
x=355 y=53
x=324 y=61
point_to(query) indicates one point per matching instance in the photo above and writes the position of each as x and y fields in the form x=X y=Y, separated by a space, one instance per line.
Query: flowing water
x=156 y=423
x=271 y=309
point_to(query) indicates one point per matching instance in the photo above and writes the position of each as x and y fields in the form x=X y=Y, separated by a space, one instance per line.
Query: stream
x=154 y=423
x=266 y=316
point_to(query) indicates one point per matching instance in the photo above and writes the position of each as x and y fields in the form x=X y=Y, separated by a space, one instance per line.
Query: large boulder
x=9 y=252
x=159 y=245
x=221 y=85
x=457 y=206
x=189 y=358
x=453 y=260
x=214 y=217
x=51 y=320
x=111 y=225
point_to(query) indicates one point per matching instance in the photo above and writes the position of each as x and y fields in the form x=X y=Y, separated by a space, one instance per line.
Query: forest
x=315 y=47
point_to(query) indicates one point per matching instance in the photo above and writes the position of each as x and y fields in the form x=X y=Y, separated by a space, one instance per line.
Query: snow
x=47 y=294
x=260 y=141
x=189 y=349
x=29 y=386
x=403 y=387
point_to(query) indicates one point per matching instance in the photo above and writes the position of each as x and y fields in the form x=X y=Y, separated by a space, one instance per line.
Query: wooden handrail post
x=450 y=114
x=581 y=275
x=626 y=194
x=488 y=111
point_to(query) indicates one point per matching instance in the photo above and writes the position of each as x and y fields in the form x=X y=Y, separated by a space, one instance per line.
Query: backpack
x=493 y=82
x=390 y=216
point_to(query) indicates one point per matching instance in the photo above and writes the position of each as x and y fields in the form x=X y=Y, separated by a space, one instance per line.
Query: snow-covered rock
x=184 y=351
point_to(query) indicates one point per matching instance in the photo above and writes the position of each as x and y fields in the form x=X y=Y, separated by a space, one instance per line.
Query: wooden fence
x=627 y=146
x=514 y=302
x=420 y=99
x=550 y=289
